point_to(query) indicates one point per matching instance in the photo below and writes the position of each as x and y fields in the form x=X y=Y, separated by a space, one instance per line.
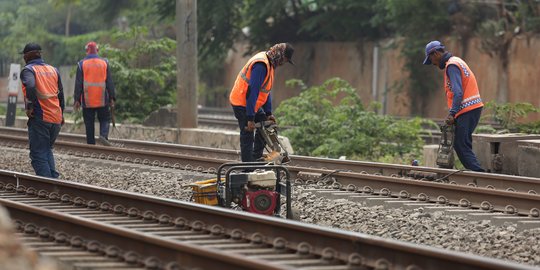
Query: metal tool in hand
x=268 y=130
x=115 y=132
x=445 y=153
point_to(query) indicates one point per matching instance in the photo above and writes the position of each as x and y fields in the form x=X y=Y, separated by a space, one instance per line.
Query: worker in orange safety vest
x=251 y=97
x=44 y=105
x=94 y=91
x=463 y=100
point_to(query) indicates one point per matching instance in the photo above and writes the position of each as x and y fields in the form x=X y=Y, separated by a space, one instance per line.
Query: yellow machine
x=205 y=192
x=255 y=187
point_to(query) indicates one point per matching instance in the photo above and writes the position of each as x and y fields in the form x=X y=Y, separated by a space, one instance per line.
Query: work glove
x=111 y=103
x=272 y=118
x=250 y=126
x=450 y=120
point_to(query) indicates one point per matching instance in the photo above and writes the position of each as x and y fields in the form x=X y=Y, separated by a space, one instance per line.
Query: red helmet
x=91 y=48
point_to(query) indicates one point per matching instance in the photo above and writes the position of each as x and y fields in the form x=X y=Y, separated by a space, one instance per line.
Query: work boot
x=104 y=141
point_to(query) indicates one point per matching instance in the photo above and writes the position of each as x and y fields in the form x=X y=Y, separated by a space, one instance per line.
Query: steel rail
x=354 y=250
x=511 y=202
x=118 y=240
x=494 y=181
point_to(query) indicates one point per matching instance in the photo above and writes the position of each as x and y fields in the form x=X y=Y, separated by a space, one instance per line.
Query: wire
x=446 y=176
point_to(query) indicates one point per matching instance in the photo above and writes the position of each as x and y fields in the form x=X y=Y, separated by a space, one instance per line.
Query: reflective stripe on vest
x=471 y=94
x=94 y=86
x=47 y=93
x=239 y=90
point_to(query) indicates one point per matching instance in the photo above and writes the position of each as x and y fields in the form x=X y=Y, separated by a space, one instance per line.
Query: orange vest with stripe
x=471 y=94
x=47 y=92
x=94 y=87
x=239 y=91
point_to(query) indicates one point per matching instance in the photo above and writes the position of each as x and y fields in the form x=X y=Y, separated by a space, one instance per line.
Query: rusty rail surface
x=488 y=180
x=174 y=231
x=148 y=250
x=468 y=195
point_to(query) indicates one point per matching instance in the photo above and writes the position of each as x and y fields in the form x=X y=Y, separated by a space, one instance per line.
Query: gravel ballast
x=438 y=229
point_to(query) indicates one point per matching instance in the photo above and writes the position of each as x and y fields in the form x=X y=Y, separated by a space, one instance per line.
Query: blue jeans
x=465 y=125
x=41 y=136
x=251 y=143
x=104 y=117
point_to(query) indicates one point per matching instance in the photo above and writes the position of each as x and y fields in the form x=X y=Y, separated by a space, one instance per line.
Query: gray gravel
x=166 y=183
x=437 y=229
x=434 y=229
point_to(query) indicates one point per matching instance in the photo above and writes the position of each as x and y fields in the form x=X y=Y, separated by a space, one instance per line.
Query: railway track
x=500 y=193
x=14 y=136
x=150 y=232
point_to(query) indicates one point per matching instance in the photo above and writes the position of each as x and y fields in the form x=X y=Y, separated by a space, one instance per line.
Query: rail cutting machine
x=256 y=187
x=276 y=152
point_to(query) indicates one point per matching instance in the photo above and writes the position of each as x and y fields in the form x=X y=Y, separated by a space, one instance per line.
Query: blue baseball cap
x=431 y=47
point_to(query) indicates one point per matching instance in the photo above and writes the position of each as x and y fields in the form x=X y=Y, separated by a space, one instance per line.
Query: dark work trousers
x=251 y=143
x=465 y=125
x=41 y=136
x=104 y=117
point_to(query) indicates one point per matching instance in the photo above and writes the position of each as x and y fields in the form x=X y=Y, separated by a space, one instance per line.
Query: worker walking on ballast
x=94 y=90
x=463 y=100
x=44 y=106
x=251 y=97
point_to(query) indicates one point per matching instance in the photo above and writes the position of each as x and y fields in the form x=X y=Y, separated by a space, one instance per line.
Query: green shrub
x=330 y=120
x=510 y=116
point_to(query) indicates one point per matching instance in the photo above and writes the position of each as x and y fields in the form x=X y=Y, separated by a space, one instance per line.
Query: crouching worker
x=251 y=97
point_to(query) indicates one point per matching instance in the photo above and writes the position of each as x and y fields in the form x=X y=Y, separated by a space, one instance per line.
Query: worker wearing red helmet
x=94 y=91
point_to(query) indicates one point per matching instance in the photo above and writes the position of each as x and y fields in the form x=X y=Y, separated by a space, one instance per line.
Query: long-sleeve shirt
x=79 y=81
x=28 y=79
x=258 y=73
x=454 y=75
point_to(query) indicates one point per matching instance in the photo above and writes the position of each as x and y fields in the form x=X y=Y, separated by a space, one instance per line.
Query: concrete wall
x=529 y=158
x=354 y=61
x=499 y=152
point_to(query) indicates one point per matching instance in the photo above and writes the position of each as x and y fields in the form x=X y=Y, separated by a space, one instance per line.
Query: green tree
x=144 y=72
x=218 y=28
x=322 y=20
x=69 y=5
x=498 y=31
x=417 y=22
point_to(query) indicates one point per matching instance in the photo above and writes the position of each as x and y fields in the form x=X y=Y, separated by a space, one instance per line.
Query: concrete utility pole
x=186 y=63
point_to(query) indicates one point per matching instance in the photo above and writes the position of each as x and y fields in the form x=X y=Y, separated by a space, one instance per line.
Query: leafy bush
x=330 y=120
x=511 y=115
x=144 y=73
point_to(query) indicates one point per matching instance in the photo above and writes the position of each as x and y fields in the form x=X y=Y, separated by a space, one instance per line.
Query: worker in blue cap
x=463 y=100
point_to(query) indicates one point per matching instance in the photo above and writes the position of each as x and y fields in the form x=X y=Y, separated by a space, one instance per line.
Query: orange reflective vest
x=94 y=87
x=471 y=94
x=47 y=92
x=239 y=91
